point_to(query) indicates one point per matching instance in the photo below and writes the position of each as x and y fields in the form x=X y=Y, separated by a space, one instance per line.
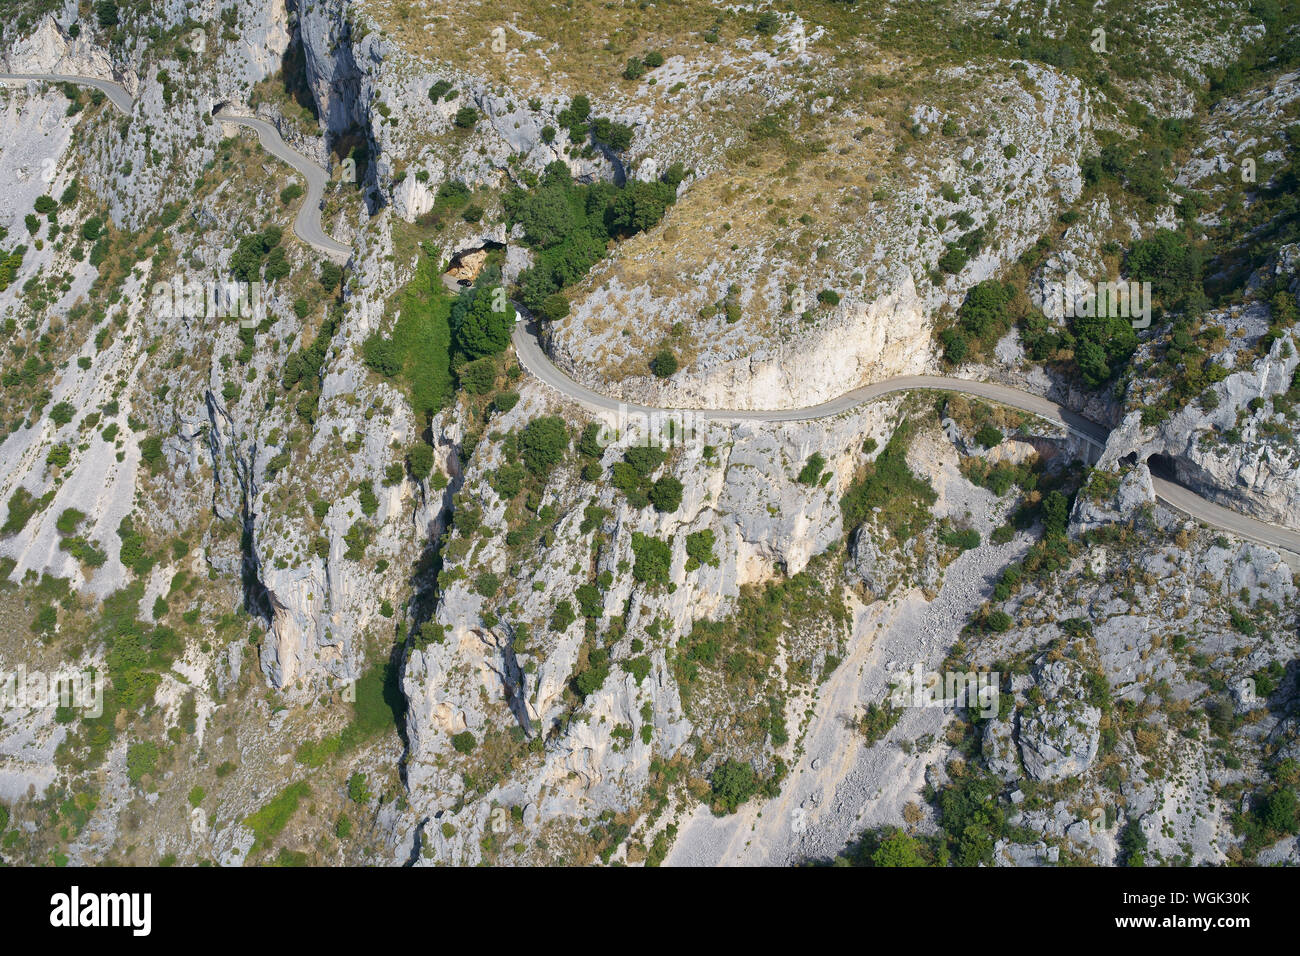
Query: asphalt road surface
x=306 y=226
x=533 y=357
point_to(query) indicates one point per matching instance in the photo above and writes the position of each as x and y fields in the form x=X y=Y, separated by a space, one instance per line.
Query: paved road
x=307 y=225
x=536 y=361
x=531 y=355
x=116 y=94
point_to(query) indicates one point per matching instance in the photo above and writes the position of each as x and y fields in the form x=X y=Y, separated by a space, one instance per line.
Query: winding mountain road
x=538 y=363
x=533 y=357
x=117 y=94
x=307 y=224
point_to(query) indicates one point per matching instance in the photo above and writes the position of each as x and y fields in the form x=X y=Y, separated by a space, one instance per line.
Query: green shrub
x=479 y=376
x=664 y=363
x=666 y=494
x=554 y=307
x=59 y=456
x=812 y=469
x=151 y=452
x=358 y=788
x=505 y=401
x=420 y=460
x=645 y=458
x=562 y=616
x=617 y=136
x=543 y=443
x=733 y=783
x=141 y=760
x=330 y=276
x=67 y=521
x=998 y=622
x=487 y=584
x=963 y=540
x=653 y=559
x=106 y=14
x=62 y=413
x=699 y=550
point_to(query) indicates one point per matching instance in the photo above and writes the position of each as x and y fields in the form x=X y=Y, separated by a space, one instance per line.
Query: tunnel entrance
x=1162 y=466
x=466 y=265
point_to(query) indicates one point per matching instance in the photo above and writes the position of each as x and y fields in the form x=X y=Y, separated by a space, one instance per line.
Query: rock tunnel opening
x=467 y=264
x=1162 y=466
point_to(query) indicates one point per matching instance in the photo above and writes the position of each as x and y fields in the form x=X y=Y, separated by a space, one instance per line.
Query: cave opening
x=467 y=264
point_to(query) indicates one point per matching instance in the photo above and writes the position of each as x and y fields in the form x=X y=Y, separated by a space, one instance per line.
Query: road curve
x=117 y=95
x=534 y=358
x=307 y=224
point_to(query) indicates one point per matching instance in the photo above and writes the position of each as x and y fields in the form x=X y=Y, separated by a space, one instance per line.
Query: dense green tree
x=733 y=783
x=664 y=363
x=639 y=206
x=1280 y=813
x=331 y=276
x=617 y=136
x=666 y=494
x=1169 y=262
x=543 y=443
x=653 y=559
x=477 y=328
x=898 y=849
x=554 y=307
x=106 y=14
x=644 y=458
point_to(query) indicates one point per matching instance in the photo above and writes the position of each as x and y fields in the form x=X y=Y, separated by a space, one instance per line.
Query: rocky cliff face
x=1236 y=447
x=49 y=49
x=1128 y=671
x=464 y=637
x=846 y=278
x=858 y=344
x=501 y=661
